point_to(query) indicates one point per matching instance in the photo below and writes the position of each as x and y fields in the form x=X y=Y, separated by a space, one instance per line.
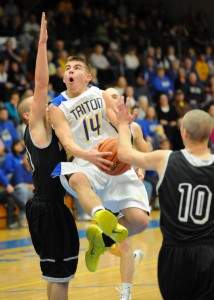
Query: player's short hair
x=113 y=92
x=198 y=124
x=24 y=107
x=81 y=59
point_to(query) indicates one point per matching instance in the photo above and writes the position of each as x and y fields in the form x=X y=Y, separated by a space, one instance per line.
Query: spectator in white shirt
x=99 y=60
x=131 y=62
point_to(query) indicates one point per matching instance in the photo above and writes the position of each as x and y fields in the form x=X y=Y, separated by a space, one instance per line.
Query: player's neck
x=199 y=150
x=73 y=94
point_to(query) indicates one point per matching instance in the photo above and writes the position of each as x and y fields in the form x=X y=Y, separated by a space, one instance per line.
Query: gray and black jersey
x=186 y=192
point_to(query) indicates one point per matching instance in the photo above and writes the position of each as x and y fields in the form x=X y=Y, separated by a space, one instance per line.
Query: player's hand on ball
x=99 y=158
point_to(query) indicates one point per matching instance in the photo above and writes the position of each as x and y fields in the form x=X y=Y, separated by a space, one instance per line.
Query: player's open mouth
x=71 y=79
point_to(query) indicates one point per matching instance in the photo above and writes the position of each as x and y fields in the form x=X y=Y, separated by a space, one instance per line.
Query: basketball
x=110 y=145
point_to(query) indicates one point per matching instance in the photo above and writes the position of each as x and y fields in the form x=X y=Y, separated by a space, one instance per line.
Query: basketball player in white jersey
x=129 y=259
x=186 y=193
x=82 y=117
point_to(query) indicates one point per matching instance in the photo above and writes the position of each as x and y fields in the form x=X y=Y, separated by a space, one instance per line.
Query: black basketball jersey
x=42 y=162
x=186 y=193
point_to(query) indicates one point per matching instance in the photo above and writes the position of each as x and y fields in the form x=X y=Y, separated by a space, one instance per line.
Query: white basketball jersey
x=86 y=115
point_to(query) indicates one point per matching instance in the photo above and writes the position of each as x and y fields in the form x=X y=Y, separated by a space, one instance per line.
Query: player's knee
x=144 y=221
x=141 y=221
x=77 y=181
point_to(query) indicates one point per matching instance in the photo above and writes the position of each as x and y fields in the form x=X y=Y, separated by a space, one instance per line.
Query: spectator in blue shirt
x=22 y=180
x=11 y=107
x=9 y=167
x=8 y=133
x=173 y=70
x=147 y=73
x=152 y=130
x=7 y=199
x=18 y=149
x=8 y=163
x=162 y=84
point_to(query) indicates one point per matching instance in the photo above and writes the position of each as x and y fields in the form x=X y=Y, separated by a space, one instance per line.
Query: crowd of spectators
x=165 y=67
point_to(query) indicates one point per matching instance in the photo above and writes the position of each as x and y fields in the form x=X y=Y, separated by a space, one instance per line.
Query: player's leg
x=135 y=209
x=92 y=204
x=59 y=249
x=126 y=269
x=49 y=289
x=66 y=243
x=57 y=291
x=108 y=230
x=126 y=193
x=125 y=251
x=135 y=220
x=86 y=196
x=128 y=264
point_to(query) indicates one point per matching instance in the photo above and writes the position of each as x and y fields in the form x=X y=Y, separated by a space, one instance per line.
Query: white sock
x=126 y=285
x=95 y=209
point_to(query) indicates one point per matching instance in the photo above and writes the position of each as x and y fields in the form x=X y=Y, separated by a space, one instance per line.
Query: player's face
x=76 y=76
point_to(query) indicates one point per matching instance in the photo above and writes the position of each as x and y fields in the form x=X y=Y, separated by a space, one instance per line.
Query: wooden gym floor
x=20 y=276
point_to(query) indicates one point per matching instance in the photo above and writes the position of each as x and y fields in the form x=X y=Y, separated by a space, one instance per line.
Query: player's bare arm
x=110 y=109
x=63 y=131
x=38 y=123
x=139 y=143
x=150 y=161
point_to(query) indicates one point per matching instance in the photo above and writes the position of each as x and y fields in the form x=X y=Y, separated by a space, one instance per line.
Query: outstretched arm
x=110 y=109
x=139 y=144
x=150 y=161
x=38 y=122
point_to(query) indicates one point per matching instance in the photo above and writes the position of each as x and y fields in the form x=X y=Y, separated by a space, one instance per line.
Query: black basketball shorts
x=55 y=238
x=186 y=272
